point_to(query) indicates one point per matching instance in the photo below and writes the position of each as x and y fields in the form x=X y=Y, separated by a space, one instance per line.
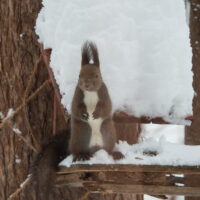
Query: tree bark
x=192 y=136
x=20 y=54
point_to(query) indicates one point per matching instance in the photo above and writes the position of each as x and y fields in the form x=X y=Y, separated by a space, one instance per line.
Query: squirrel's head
x=90 y=78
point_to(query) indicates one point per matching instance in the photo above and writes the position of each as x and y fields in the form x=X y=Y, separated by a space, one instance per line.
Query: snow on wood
x=149 y=152
x=144 y=51
x=10 y=112
x=17 y=131
x=171 y=133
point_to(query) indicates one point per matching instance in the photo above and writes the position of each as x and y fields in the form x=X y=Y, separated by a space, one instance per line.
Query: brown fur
x=90 y=79
x=46 y=164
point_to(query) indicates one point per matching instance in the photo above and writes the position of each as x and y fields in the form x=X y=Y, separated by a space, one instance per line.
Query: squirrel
x=92 y=127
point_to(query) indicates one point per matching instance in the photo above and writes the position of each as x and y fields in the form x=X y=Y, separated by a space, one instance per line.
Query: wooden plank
x=130 y=168
x=145 y=189
x=122 y=117
x=131 y=178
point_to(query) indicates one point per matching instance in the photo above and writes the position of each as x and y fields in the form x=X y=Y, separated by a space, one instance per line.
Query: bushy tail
x=45 y=165
x=90 y=53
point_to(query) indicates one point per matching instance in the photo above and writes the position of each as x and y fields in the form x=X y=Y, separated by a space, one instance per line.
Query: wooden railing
x=138 y=179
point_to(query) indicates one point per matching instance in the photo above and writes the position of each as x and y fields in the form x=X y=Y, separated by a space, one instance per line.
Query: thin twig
x=28 y=143
x=26 y=93
x=20 y=189
x=35 y=142
x=24 y=140
x=30 y=81
x=85 y=195
x=23 y=104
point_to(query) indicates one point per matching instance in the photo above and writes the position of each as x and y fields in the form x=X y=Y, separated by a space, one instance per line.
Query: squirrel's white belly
x=90 y=100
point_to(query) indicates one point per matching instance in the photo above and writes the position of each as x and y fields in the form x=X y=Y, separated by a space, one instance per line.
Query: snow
x=147 y=197
x=21 y=35
x=1 y=115
x=10 y=112
x=17 y=131
x=167 y=154
x=171 y=133
x=18 y=161
x=25 y=181
x=144 y=51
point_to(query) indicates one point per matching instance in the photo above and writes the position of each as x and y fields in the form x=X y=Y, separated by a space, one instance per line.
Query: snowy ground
x=144 y=51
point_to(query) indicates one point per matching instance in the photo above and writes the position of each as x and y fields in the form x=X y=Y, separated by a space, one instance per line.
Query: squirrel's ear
x=85 y=58
x=89 y=52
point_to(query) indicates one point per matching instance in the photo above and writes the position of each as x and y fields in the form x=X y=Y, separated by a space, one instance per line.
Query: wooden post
x=192 y=136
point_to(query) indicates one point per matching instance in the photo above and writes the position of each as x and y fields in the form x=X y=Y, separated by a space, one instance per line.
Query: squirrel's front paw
x=96 y=114
x=84 y=115
x=81 y=157
x=117 y=155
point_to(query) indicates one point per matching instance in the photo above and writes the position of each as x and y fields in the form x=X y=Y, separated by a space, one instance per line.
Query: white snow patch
x=1 y=115
x=21 y=35
x=147 y=197
x=25 y=181
x=144 y=50
x=17 y=131
x=10 y=112
x=171 y=133
x=167 y=154
x=18 y=161
x=179 y=184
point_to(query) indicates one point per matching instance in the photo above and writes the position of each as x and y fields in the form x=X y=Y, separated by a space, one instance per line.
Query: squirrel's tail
x=45 y=165
x=90 y=54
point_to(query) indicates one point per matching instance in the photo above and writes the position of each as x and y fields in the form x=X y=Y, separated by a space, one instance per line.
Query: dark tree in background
x=19 y=54
x=192 y=136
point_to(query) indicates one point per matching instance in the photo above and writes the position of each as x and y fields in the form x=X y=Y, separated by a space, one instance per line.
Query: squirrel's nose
x=87 y=85
x=87 y=81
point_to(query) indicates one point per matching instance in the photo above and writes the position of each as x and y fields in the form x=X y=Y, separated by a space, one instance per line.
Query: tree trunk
x=192 y=136
x=20 y=56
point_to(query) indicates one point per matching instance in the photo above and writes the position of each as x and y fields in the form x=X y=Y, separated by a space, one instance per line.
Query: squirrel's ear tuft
x=90 y=54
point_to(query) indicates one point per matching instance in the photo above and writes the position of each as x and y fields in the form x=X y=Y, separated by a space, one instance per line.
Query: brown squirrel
x=92 y=127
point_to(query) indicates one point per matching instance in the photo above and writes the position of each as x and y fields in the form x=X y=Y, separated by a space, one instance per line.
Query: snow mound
x=149 y=152
x=144 y=50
